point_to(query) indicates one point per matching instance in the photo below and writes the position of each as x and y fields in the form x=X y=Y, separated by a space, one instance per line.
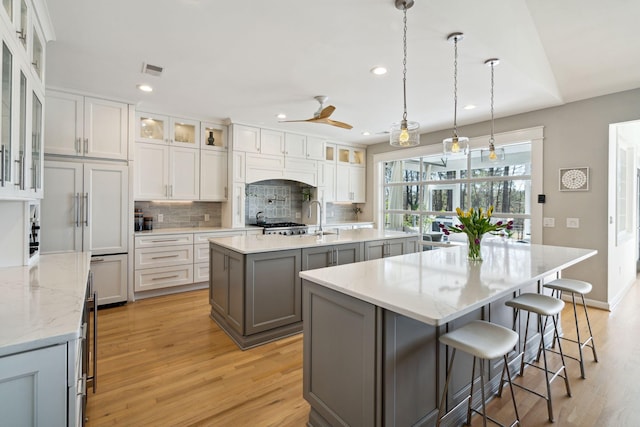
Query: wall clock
x=574 y=179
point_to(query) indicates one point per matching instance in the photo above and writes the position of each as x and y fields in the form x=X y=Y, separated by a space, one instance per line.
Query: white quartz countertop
x=178 y=230
x=274 y=242
x=438 y=286
x=42 y=305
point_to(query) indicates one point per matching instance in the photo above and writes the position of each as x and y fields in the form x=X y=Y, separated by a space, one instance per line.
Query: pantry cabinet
x=83 y=126
x=164 y=172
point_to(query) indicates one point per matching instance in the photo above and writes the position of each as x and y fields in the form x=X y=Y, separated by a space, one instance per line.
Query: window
x=420 y=192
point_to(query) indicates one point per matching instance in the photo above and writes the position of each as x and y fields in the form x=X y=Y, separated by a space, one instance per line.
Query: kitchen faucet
x=319 y=217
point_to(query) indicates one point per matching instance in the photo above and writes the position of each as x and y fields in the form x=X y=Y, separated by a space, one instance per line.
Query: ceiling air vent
x=153 y=70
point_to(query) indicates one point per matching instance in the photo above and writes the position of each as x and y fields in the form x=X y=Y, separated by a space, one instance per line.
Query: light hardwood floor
x=164 y=362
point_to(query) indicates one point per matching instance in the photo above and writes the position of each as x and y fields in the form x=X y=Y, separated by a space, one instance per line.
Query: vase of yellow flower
x=475 y=223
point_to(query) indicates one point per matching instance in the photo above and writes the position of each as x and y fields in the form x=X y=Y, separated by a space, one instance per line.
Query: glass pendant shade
x=405 y=134
x=456 y=145
x=493 y=154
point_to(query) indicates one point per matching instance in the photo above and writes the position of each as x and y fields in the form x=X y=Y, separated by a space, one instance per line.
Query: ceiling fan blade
x=338 y=124
x=291 y=121
x=326 y=112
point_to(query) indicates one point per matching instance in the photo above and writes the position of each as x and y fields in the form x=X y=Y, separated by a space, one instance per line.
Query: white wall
x=575 y=134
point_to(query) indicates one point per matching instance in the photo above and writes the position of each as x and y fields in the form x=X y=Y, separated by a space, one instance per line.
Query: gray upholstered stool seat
x=548 y=307
x=572 y=286
x=484 y=341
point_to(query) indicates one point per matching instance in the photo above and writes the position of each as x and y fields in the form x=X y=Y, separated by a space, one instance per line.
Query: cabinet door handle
x=86 y=209
x=97 y=260
x=226 y=192
x=171 y=190
x=77 y=144
x=2 y=154
x=94 y=375
x=86 y=145
x=76 y=208
x=19 y=163
x=225 y=262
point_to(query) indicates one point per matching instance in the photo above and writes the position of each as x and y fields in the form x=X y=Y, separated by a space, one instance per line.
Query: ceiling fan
x=323 y=114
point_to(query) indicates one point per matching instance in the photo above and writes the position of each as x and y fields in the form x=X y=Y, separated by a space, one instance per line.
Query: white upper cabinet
x=271 y=142
x=213 y=175
x=295 y=145
x=304 y=147
x=246 y=138
x=315 y=148
x=84 y=126
x=351 y=155
x=161 y=129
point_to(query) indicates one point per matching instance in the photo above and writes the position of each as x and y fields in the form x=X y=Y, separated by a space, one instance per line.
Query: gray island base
x=255 y=290
x=371 y=351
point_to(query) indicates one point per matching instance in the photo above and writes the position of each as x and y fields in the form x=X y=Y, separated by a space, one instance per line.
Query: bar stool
x=544 y=306
x=484 y=341
x=559 y=286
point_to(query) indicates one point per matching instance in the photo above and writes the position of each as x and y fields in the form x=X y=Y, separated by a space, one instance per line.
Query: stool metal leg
x=484 y=409
x=446 y=387
x=513 y=396
x=473 y=376
x=546 y=372
x=575 y=316
x=593 y=344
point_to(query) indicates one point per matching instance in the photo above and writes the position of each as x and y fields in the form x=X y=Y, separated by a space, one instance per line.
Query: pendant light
x=492 y=154
x=404 y=133
x=456 y=144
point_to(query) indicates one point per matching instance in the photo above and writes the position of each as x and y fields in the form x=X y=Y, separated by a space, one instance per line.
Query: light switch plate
x=573 y=222
x=549 y=222
x=298 y=215
x=160 y=217
x=207 y=217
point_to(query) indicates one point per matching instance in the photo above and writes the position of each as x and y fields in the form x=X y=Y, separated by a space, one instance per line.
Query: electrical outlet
x=549 y=222
x=573 y=222
x=207 y=217
x=160 y=218
x=298 y=215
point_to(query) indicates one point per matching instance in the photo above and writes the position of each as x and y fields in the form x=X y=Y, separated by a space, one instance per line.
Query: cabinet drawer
x=201 y=253
x=163 y=277
x=201 y=272
x=204 y=237
x=163 y=240
x=163 y=256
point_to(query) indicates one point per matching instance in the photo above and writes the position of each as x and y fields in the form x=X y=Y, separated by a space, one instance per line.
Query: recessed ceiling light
x=379 y=70
x=469 y=107
x=145 y=88
x=366 y=133
x=281 y=116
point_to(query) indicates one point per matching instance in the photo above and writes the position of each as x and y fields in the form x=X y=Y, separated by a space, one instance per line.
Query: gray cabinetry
x=389 y=247
x=273 y=295
x=327 y=256
x=226 y=286
x=340 y=364
x=255 y=298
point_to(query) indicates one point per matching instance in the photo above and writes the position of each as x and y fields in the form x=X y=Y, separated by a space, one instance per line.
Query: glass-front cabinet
x=21 y=30
x=6 y=132
x=214 y=137
x=162 y=129
x=22 y=51
x=8 y=8
x=37 y=55
x=36 y=144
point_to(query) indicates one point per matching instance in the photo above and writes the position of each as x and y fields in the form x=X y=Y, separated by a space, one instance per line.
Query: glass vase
x=475 y=254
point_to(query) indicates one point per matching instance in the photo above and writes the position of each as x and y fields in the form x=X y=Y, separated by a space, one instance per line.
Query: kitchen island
x=42 y=341
x=255 y=290
x=371 y=352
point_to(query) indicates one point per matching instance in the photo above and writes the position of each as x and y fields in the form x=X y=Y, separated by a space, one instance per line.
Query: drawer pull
x=164 y=240
x=165 y=277
x=164 y=256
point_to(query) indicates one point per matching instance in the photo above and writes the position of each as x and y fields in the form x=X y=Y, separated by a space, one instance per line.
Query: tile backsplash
x=182 y=214
x=279 y=200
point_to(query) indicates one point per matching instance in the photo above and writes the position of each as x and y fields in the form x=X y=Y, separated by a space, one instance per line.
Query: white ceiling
x=249 y=60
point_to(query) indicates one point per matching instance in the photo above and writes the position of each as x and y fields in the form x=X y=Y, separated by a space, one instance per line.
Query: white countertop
x=178 y=230
x=42 y=305
x=436 y=287
x=274 y=242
